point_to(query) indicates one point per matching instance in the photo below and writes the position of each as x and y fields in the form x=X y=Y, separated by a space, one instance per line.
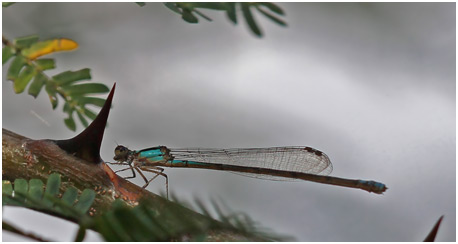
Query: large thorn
x=432 y=235
x=87 y=144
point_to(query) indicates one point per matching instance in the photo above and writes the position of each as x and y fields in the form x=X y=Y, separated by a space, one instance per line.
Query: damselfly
x=274 y=163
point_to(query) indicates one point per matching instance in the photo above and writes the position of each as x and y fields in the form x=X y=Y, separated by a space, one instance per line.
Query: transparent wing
x=293 y=159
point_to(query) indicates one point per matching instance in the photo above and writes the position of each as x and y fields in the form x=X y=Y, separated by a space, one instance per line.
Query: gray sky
x=371 y=85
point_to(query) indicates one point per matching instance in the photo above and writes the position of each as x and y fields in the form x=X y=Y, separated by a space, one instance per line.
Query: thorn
x=432 y=235
x=87 y=144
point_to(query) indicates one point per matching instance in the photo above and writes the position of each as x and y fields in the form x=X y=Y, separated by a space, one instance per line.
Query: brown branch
x=27 y=159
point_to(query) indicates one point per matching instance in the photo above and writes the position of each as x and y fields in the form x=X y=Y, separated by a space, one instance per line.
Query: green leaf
x=273 y=8
x=52 y=94
x=143 y=220
x=7 y=53
x=54 y=101
x=202 y=15
x=173 y=7
x=80 y=235
x=249 y=19
x=37 y=84
x=271 y=17
x=89 y=113
x=141 y=4
x=26 y=41
x=158 y=230
x=184 y=5
x=111 y=228
x=7 y=188
x=218 y=210
x=70 y=123
x=53 y=184
x=31 y=194
x=210 y=5
x=132 y=225
x=202 y=207
x=69 y=77
x=70 y=196
x=82 y=119
x=117 y=203
x=85 y=201
x=24 y=78
x=91 y=100
x=7 y=4
x=67 y=108
x=15 y=67
x=7 y=193
x=52 y=189
x=231 y=13
x=21 y=187
x=36 y=189
x=189 y=17
x=82 y=89
x=45 y=63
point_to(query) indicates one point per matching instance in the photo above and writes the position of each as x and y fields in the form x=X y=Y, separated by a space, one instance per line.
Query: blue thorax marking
x=153 y=155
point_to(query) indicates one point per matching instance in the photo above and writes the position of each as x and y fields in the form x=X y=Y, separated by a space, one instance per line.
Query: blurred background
x=370 y=84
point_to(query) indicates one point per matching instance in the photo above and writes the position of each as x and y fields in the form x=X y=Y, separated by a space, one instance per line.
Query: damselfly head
x=121 y=153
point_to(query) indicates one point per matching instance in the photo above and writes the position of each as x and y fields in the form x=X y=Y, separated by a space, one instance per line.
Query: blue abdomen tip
x=375 y=184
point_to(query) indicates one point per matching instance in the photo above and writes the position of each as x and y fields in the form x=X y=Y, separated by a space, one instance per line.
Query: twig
x=5 y=41
x=13 y=229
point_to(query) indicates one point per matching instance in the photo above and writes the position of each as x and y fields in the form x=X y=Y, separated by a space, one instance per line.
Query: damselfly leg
x=156 y=170
x=139 y=168
x=121 y=170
